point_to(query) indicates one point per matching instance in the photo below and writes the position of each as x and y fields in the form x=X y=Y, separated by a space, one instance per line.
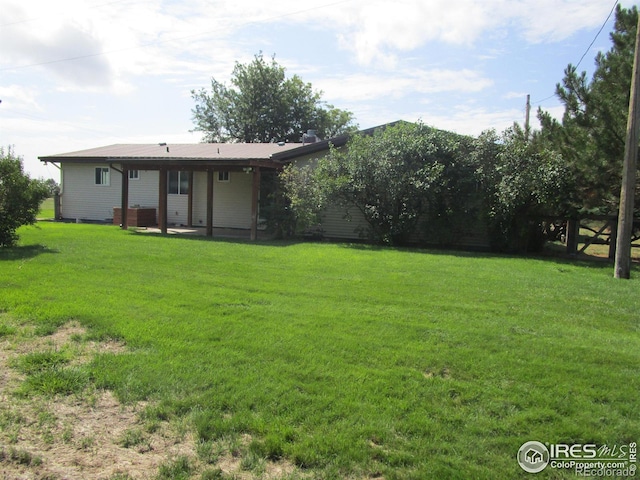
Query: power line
x=597 y=34
x=538 y=102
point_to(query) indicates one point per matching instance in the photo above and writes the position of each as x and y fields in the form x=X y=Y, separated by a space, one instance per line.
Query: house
x=196 y=185
x=533 y=456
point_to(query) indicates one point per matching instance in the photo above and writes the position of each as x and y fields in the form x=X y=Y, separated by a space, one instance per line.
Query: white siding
x=336 y=221
x=340 y=222
x=143 y=192
x=177 y=209
x=82 y=198
x=231 y=200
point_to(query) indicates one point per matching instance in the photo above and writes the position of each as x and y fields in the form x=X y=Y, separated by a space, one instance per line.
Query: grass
x=47 y=209
x=346 y=360
x=37 y=362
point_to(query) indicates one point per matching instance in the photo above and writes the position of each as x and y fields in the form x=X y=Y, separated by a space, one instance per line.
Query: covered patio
x=189 y=160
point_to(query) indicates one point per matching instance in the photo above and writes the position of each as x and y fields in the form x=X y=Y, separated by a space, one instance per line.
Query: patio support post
x=124 y=199
x=162 y=200
x=190 y=201
x=255 y=198
x=209 y=203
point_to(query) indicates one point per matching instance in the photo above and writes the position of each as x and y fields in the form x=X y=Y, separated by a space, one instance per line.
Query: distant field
x=316 y=360
x=46 y=209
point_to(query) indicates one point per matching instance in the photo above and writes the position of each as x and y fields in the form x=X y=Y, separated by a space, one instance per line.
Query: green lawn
x=346 y=360
x=46 y=209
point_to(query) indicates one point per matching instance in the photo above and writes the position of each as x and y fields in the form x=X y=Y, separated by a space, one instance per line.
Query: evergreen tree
x=591 y=136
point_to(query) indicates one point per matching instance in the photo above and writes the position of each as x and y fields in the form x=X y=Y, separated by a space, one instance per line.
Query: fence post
x=613 y=239
x=573 y=232
x=56 y=204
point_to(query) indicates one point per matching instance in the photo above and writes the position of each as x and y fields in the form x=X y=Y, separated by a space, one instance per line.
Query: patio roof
x=160 y=155
x=169 y=153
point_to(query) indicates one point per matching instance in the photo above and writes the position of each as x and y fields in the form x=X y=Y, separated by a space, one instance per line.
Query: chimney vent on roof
x=310 y=137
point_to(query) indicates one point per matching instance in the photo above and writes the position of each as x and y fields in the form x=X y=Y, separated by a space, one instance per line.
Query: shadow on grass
x=239 y=239
x=549 y=255
x=552 y=255
x=23 y=252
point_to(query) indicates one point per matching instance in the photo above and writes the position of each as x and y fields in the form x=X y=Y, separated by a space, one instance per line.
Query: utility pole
x=526 y=117
x=627 y=189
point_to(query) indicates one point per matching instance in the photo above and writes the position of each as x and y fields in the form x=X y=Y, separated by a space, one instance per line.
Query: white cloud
x=19 y=97
x=512 y=95
x=473 y=121
x=363 y=87
x=376 y=31
x=118 y=40
x=553 y=20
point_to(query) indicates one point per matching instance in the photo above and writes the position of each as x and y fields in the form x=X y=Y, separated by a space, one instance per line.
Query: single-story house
x=196 y=185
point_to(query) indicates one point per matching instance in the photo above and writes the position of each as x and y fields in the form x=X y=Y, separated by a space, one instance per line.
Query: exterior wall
x=335 y=225
x=231 y=200
x=143 y=192
x=82 y=199
x=336 y=221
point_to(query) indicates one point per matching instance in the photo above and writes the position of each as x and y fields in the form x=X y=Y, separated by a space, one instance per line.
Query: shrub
x=20 y=197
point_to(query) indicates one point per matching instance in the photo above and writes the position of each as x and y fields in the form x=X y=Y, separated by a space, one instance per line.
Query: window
x=134 y=174
x=179 y=183
x=102 y=176
x=223 y=176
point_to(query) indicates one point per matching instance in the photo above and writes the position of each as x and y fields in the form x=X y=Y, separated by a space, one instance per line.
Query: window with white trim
x=223 y=176
x=134 y=174
x=179 y=183
x=102 y=176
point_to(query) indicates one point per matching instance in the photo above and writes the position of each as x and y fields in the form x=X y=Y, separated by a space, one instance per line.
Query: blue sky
x=79 y=74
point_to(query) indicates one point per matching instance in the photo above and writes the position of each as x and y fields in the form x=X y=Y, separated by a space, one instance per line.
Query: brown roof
x=195 y=151
x=203 y=154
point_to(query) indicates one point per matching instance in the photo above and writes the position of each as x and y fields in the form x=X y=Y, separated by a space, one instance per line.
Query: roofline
x=274 y=161
x=326 y=144
x=310 y=148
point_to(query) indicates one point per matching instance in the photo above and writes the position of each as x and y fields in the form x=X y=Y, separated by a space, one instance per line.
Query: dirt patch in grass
x=91 y=434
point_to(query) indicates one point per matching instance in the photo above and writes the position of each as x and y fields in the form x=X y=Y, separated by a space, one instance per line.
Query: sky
x=77 y=74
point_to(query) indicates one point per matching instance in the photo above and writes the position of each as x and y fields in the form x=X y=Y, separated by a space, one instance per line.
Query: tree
x=591 y=136
x=393 y=178
x=52 y=185
x=20 y=197
x=523 y=181
x=263 y=105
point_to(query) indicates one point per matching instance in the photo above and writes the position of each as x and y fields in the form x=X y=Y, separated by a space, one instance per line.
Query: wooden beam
x=162 y=200
x=255 y=198
x=209 y=203
x=190 y=201
x=590 y=240
x=124 y=199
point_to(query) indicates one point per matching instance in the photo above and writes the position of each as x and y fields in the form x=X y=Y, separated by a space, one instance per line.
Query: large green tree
x=591 y=135
x=262 y=104
x=394 y=178
x=20 y=197
x=523 y=182
x=411 y=182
